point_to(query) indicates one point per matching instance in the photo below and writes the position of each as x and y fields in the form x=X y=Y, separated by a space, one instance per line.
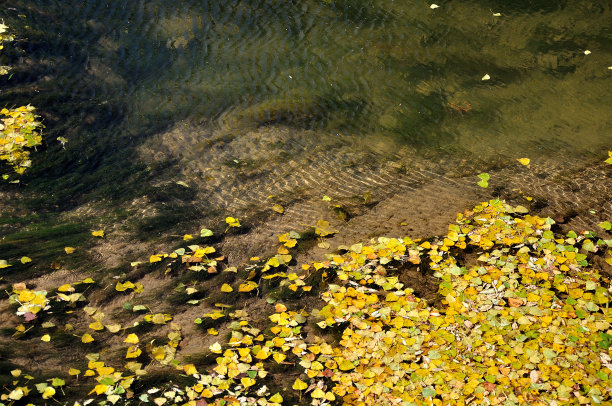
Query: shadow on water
x=378 y=80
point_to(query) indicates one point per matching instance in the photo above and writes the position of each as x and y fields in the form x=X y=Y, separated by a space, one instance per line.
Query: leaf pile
x=521 y=318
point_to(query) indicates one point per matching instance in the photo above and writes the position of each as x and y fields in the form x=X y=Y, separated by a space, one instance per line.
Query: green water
x=247 y=88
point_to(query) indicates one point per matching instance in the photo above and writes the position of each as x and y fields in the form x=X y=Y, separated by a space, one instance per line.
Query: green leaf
x=484 y=176
x=428 y=392
x=58 y=382
x=483 y=183
x=205 y=232
x=605 y=225
x=252 y=374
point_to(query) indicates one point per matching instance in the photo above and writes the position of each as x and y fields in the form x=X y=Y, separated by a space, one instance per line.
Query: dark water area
x=236 y=97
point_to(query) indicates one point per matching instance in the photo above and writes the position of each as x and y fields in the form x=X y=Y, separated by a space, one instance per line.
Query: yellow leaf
x=98 y=233
x=99 y=389
x=187 y=237
x=299 y=384
x=133 y=352
x=317 y=394
x=279 y=357
x=69 y=250
x=96 y=326
x=113 y=328
x=232 y=222
x=46 y=338
x=346 y=365
x=154 y=258
x=524 y=161
x=216 y=348
x=25 y=260
x=278 y=208
x=226 y=288
x=247 y=287
x=246 y=381
x=87 y=338
x=276 y=398
x=73 y=371
x=16 y=372
x=48 y=392
x=190 y=369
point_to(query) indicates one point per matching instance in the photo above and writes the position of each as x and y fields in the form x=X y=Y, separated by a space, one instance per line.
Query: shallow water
x=240 y=95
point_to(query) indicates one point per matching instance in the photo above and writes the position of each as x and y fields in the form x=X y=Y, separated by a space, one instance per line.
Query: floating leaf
x=524 y=161
x=278 y=208
x=98 y=233
x=232 y=222
x=226 y=288
x=205 y=232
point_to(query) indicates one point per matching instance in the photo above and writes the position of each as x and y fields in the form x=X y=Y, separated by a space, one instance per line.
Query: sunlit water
x=263 y=97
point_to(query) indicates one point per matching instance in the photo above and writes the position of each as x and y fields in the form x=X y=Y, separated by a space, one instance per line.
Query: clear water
x=382 y=80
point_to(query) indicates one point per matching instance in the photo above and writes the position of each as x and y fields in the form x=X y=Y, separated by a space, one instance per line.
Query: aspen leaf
x=276 y=398
x=190 y=369
x=87 y=338
x=232 y=222
x=98 y=233
x=226 y=288
x=46 y=338
x=299 y=384
x=524 y=161
x=216 y=348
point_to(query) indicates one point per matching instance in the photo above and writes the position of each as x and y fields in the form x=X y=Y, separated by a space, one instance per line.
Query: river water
x=244 y=100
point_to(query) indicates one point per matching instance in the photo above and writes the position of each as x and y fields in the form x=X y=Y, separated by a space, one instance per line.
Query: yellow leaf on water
x=212 y=331
x=113 y=328
x=132 y=339
x=524 y=161
x=99 y=389
x=226 y=288
x=154 y=258
x=25 y=260
x=16 y=372
x=232 y=222
x=69 y=250
x=98 y=233
x=87 y=338
x=96 y=326
x=46 y=338
x=216 y=348
x=276 y=398
x=74 y=371
x=278 y=208
x=48 y=392
x=247 y=287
